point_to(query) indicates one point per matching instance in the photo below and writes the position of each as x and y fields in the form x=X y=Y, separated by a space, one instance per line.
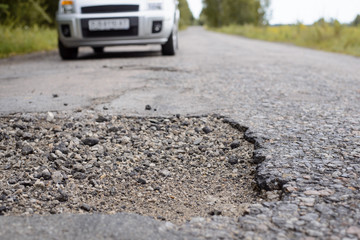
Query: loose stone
x=80 y=175
x=52 y=157
x=57 y=177
x=85 y=207
x=62 y=148
x=63 y=196
x=50 y=117
x=207 y=130
x=26 y=150
x=235 y=144
x=198 y=141
x=39 y=184
x=3 y=209
x=91 y=141
x=233 y=160
x=79 y=168
x=141 y=181
x=165 y=173
x=101 y=119
x=46 y=174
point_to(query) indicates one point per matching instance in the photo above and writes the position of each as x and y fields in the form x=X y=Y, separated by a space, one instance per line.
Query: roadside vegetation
x=249 y=18
x=327 y=36
x=26 y=40
x=29 y=26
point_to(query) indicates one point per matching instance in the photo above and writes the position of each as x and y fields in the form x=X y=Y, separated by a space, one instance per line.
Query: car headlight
x=155 y=5
x=67 y=6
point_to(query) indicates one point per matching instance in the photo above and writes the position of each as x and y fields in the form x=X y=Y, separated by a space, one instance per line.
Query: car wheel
x=170 y=47
x=98 y=50
x=67 y=53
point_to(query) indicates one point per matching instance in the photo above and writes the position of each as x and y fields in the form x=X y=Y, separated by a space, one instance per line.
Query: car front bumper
x=140 y=32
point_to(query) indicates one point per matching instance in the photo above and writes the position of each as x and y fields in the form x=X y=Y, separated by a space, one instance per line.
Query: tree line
x=217 y=13
x=15 y=13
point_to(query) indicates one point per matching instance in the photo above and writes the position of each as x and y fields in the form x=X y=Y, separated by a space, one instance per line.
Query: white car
x=101 y=23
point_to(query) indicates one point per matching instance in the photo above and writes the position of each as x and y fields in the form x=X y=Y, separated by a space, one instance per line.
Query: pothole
x=172 y=169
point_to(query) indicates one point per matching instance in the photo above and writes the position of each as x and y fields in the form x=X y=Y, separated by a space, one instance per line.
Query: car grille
x=110 y=9
x=132 y=31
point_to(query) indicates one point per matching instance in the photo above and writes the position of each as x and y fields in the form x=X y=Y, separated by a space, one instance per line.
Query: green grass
x=335 y=38
x=14 y=41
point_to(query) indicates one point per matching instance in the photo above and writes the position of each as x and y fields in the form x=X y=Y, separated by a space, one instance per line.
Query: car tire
x=67 y=53
x=170 y=47
x=98 y=50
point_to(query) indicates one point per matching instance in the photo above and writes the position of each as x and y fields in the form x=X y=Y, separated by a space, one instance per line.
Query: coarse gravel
x=172 y=169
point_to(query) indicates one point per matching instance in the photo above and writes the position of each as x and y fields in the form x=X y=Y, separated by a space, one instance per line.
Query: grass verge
x=15 y=41
x=335 y=38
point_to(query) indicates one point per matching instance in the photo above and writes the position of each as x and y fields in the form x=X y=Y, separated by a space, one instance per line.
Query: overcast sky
x=306 y=11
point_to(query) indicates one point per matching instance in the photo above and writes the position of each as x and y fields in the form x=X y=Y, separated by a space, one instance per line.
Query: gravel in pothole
x=172 y=169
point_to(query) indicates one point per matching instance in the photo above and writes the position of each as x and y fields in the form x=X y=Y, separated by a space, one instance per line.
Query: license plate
x=109 y=24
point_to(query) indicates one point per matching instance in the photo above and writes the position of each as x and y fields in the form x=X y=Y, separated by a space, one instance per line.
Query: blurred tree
x=240 y=12
x=225 y=12
x=264 y=12
x=52 y=7
x=202 y=18
x=4 y=10
x=27 y=12
x=186 y=17
x=212 y=12
x=356 y=21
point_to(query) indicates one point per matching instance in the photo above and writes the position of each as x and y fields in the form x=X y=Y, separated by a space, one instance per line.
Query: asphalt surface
x=301 y=107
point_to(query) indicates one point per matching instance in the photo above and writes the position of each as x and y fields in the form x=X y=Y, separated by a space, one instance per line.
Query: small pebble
x=91 y=141
x=235 y=144
x=57 y=177
x=233 y=160
x=141 y=181
x=63 y=196
x=85 y=207
x=207 y=130
x=101 y=119
x=50 y=117
x=39 y=184
x=26 y=150
x=46 y=174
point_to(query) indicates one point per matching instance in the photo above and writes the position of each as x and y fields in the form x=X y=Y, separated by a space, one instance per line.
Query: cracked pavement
x=301 y=107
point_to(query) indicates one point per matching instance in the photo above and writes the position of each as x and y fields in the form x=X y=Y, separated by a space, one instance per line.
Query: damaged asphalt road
x=301 y=108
